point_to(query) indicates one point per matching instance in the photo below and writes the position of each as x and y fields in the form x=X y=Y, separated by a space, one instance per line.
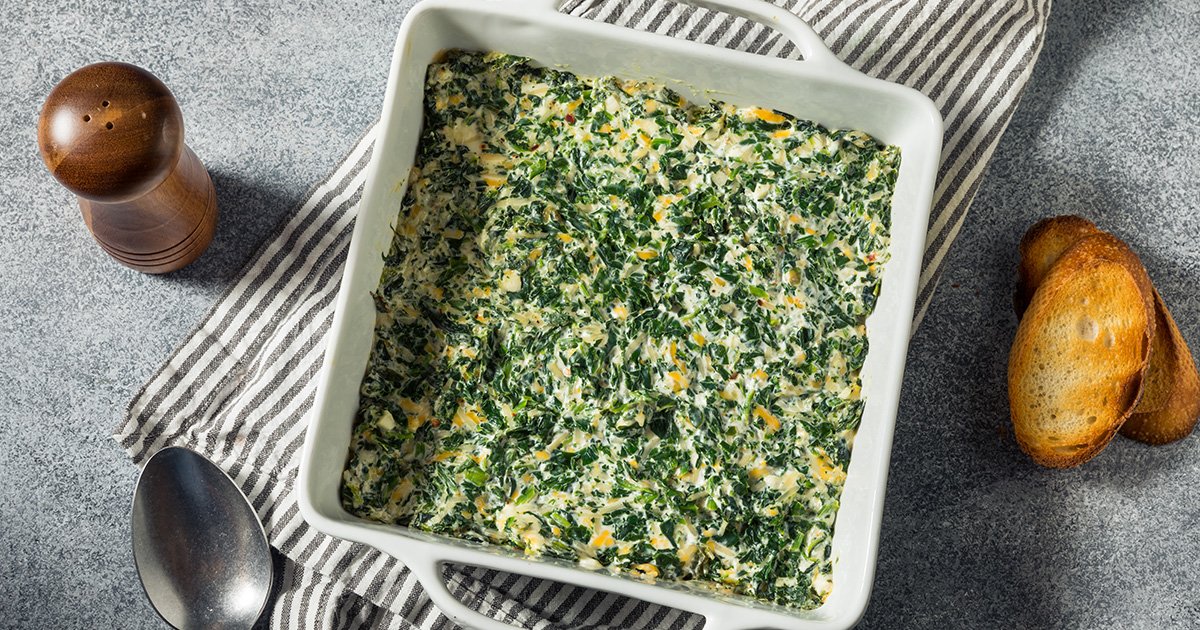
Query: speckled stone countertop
x=273 y=93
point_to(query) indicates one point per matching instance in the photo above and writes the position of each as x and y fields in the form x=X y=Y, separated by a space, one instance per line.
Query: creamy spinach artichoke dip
x=622 y=329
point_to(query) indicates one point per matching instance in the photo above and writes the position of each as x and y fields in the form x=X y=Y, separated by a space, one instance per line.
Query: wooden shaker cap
x=112 y=133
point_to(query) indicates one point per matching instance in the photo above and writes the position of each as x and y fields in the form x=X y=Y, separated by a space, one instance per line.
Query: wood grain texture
x=112 y=133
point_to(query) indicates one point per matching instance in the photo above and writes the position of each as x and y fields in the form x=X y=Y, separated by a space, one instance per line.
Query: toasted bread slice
x=1163 y=415
x=1170 y=403
x=1080 y=356
x=1040 y=247
x=1164 y=359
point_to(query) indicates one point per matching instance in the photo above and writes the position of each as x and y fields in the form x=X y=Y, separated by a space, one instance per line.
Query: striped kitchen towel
x=239 y=388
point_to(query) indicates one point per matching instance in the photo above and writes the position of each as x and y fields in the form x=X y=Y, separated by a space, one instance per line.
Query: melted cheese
x=623 y=329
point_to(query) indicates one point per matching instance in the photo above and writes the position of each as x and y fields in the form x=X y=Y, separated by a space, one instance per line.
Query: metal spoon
x=199 y=548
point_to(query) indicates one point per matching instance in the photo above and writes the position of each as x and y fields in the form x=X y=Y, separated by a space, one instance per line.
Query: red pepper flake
x=871 y=258
x=733 y=376
x=570 y=118
x=760 y=302
x=534 y=147
x=483 y=146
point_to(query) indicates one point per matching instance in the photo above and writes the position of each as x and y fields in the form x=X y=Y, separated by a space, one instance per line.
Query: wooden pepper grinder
x=112 y=133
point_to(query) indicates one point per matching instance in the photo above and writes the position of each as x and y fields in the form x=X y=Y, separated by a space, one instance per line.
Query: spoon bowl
x=199 y=547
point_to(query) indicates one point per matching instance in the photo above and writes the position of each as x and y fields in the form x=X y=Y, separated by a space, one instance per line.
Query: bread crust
x=1170 y=406
x=1041 y=246
x=1079 y=359
x=1164 y=358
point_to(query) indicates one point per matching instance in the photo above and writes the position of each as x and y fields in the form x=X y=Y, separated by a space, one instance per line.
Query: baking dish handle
x=429 y=574
x=811 y=46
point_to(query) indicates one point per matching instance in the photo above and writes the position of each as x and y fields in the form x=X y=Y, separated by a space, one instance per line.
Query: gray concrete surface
x=974 y=535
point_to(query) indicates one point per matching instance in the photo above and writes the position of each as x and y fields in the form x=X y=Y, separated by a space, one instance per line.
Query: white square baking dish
x=819 y=88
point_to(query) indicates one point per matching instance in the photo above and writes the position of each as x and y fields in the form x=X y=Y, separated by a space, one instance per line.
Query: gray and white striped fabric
x=240 y=387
